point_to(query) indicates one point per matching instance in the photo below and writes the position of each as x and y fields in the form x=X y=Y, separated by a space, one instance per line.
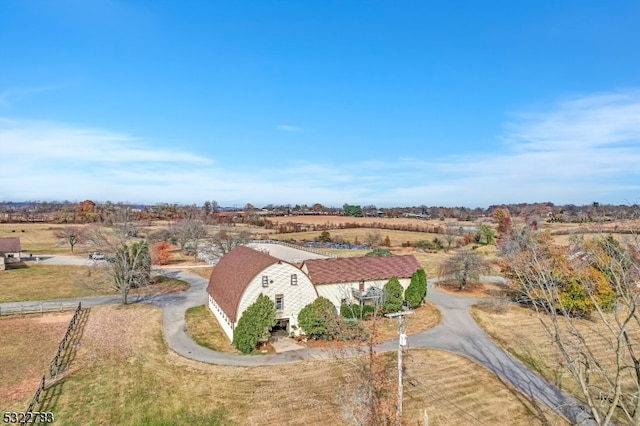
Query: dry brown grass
x=28 y=345
x=36 y=238
x=362 y=221
x=530 y=343
x=456 y=391
x=397 y=238
x=472 y=289
x=204 y=272
x=42 y=282
x=123 y=374
x=205 y=330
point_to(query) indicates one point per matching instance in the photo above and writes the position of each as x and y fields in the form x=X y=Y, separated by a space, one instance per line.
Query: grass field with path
x=122 y=373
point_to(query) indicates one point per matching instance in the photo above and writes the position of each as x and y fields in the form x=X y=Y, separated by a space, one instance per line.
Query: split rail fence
x=54 y=366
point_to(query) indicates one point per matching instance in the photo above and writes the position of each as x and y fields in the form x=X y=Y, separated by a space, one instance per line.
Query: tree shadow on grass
x=56 y=376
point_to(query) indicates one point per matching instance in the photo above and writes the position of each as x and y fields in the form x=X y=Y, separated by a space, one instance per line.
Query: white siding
x=223 y=319
x=295 y=298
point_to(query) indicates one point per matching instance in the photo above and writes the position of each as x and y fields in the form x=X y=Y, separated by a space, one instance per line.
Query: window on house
x=294 y=279
x=279 y=302
x=265 y=281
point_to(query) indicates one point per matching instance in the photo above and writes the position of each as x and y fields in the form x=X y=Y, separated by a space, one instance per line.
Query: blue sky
x=391 y=103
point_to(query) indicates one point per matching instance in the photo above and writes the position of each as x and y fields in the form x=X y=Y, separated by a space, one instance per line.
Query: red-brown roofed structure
x=9 y=245
x=233 y=273
x=353 y=269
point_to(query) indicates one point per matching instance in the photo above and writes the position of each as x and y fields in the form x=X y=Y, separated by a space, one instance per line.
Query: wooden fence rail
x=34 y=400
x=53 y=367
x=37 y=308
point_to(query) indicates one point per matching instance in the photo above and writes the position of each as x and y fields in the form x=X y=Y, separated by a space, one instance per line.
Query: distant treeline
x=88 y=211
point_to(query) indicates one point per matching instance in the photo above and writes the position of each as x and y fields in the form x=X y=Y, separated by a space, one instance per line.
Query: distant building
x=9 y=251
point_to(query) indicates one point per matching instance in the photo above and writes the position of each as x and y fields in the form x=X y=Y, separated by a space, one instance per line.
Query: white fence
x=34 y=308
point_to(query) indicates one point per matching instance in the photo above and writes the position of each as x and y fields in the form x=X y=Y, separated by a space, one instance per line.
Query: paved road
x=457 y=333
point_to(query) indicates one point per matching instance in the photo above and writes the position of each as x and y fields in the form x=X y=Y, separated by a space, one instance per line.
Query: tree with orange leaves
x=504 y=220
x=160 y=253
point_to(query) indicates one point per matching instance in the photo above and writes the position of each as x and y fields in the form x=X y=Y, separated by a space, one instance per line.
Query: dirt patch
x=28 y=344
x=477 y=289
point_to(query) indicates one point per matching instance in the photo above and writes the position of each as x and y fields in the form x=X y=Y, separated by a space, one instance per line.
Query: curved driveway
x=457 y=332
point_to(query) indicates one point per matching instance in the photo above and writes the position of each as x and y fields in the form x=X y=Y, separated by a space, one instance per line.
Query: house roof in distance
x=231 y=275
x=9 y=245
x=352 y=269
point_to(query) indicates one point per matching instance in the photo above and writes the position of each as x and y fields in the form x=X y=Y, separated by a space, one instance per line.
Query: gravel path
x=457 y=333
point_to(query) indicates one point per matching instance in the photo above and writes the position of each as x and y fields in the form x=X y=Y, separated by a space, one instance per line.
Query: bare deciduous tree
x=72 y=235
x=189 y=233
x=373 y=238
x=130 y=262
x=599 y=342
x=450 y=233
x=370 y=391
x=226 y=239
x=463 y=266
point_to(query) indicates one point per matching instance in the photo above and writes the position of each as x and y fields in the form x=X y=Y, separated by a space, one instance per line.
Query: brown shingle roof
x=351 y=269
x=9 y=245
x=232 y=274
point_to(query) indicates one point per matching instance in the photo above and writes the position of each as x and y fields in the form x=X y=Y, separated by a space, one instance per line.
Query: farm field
x=123 y=373
x=36 y=238
x=362 y=221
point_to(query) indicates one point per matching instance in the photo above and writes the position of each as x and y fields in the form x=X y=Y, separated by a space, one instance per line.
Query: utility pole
x=402 y=341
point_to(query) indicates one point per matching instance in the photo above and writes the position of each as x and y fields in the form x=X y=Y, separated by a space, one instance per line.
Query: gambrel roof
x=353 y=269
x=231 y=275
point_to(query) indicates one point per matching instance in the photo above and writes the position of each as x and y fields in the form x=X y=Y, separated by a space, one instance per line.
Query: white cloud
x=577 y=151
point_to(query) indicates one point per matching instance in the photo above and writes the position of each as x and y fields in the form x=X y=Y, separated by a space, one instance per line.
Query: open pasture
x=36 y=238
x=123 y=373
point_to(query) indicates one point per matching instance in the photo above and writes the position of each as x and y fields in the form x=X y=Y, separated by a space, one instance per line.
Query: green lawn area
x=26 y=282
x=205 y=330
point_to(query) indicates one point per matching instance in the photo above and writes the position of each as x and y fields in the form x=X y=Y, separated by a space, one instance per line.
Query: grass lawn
x=40 y=282
x=204 y=329
x=122 y=373
x=204 y=272
x=530 y=343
